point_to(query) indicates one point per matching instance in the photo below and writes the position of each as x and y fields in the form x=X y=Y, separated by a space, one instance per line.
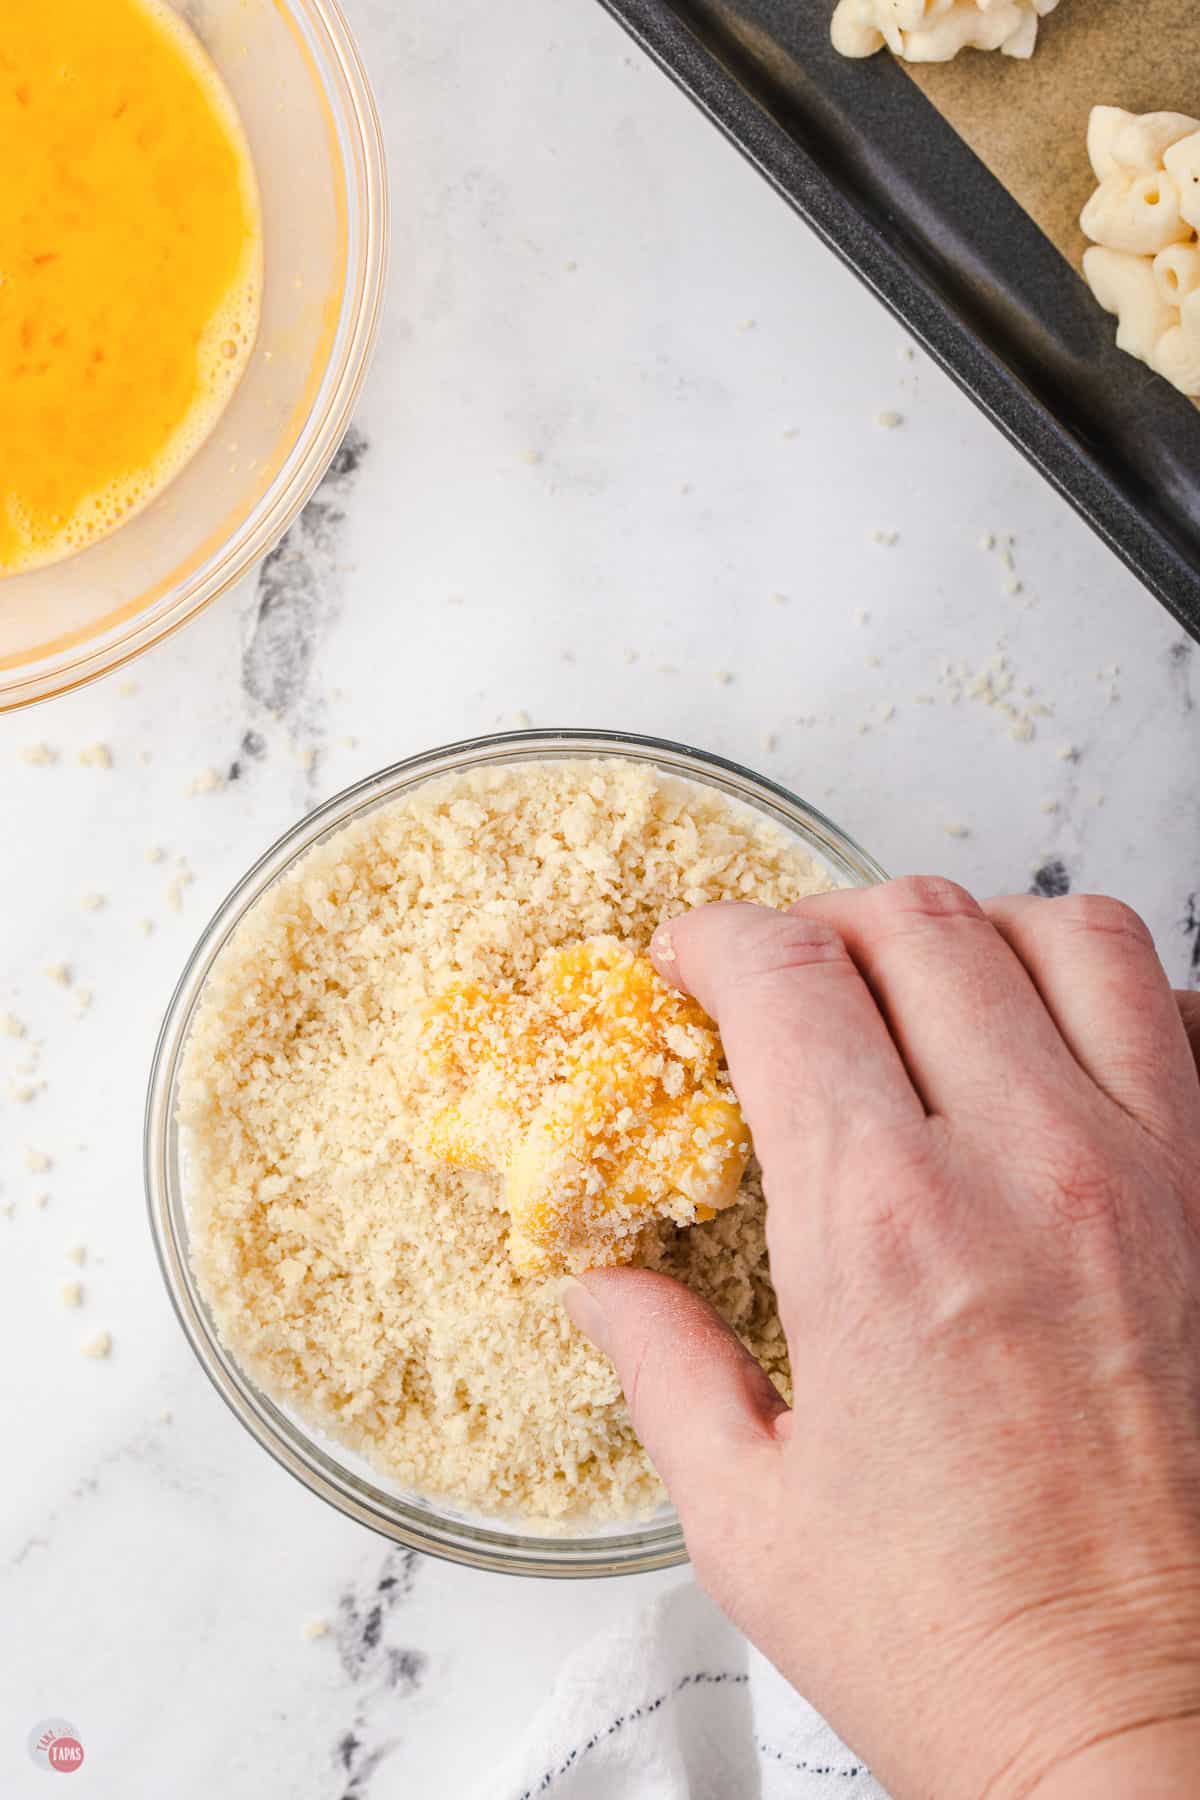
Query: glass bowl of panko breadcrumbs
x=418 y=1070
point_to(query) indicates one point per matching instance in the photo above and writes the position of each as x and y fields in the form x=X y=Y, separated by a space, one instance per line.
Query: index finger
x=808 y=1050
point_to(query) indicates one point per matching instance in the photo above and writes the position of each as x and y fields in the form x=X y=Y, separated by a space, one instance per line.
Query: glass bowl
x=328 y=1469
x=299 y=85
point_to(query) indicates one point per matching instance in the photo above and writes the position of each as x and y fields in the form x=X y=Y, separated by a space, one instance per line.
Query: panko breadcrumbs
x=372 y=1293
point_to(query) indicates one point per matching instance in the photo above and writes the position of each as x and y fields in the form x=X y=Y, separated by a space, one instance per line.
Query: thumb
x=703 y=1408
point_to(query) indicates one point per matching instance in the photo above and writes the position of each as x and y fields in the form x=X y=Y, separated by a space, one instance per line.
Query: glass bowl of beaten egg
x=293 y=74
x=328 y=1468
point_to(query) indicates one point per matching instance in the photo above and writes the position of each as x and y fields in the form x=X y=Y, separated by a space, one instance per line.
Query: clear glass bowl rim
x=322 y=432
x=634 y=1549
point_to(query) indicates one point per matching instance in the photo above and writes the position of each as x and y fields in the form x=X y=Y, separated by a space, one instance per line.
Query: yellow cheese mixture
x=597 y=1094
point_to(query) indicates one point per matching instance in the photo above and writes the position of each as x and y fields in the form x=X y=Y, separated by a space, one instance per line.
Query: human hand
x=974 y=1543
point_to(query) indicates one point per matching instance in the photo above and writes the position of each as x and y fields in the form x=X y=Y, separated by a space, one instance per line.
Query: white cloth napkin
x=676 y=1705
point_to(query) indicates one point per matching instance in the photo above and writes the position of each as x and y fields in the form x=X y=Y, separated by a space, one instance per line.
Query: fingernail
x=585 y=1311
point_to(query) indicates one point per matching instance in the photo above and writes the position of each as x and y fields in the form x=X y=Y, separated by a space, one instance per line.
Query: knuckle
x=928 y=897
x=1074 y=1179
x=905 y=1183
x=795 y=940
x=1099 y=915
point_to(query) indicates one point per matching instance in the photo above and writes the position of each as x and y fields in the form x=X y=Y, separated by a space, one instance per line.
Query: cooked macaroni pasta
x=936 y=30
x=1144 y=223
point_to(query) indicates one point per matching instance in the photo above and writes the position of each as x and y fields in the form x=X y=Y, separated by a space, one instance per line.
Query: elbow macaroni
x=1144 y=223
x=936 y=30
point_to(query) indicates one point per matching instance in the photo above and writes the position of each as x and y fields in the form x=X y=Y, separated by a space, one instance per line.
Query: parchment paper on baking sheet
x=1028 y=120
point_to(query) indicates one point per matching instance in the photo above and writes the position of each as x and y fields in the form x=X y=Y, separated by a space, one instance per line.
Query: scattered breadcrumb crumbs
x=166 y=1418
x=956 y=829
x=27 y=1092
x=873 y=662
x=747 y=324
x=41 y=1201
x=11 y=1026
x=72 y=1293
x=779 y=599
x=127 y=688
x=988 y=541
x=1013 y=586
x=96 y=756
x=523 y=719
x=631 y=656
x=175 y=888
x=9 y=1208
x=146 y=927
x=37 y=1162
x=887 y=711
x=532 y=457
x=206 y=782
x=39 y=756
x=723 y=677
x=92 y=902
x=59 y=974
x=995 y=686
x=861 y=616
x=77 y=1253
x=769 y=741
x=886 y=538
x=889 y=419
x=99 y=1346
x=367 y=1286
x=156 y=854
x=316 y=1628
x=83 y=998
x=308 y=759
x=1050 y=806
x=1067 y=753
x=349 y=743
x=791 y=431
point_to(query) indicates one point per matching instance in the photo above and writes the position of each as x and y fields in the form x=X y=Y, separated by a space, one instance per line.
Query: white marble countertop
x=622 y=399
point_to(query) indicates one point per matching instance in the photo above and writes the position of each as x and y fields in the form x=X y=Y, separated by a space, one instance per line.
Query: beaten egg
x=130 y=265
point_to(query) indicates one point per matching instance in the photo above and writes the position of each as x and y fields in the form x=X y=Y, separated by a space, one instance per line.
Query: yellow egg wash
x=130 y=264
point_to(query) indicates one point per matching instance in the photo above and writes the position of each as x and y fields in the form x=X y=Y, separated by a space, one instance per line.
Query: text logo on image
x=54 y=1745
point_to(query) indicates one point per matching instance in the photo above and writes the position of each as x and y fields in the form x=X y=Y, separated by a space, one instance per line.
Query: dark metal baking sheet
x=873 y=167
